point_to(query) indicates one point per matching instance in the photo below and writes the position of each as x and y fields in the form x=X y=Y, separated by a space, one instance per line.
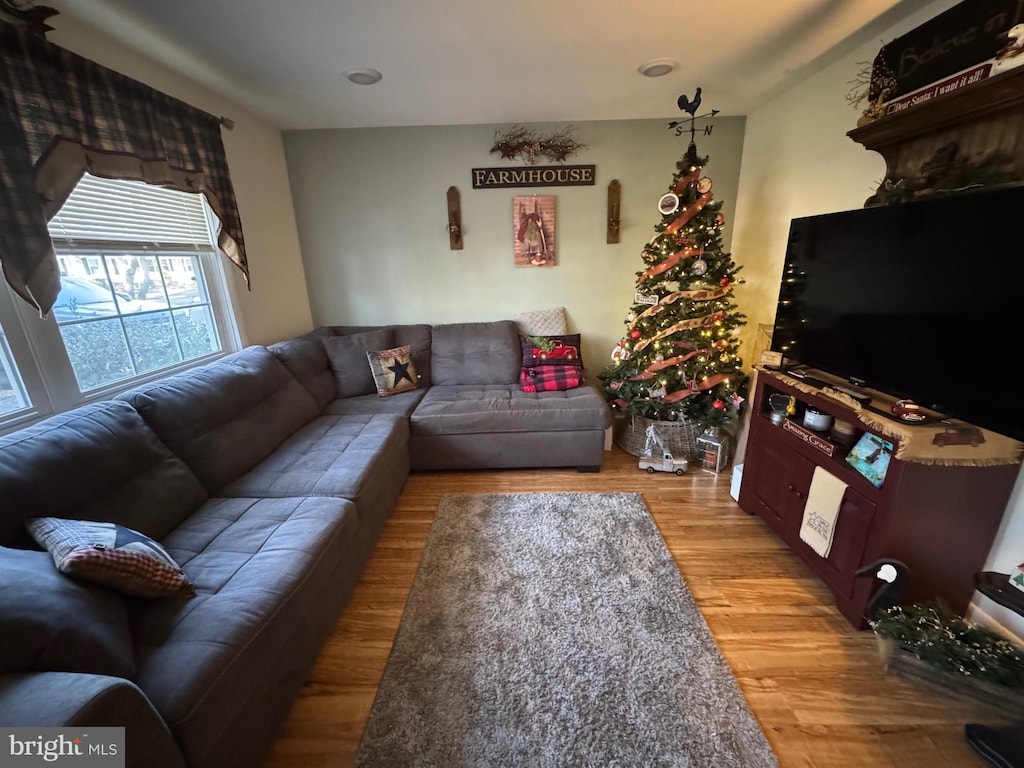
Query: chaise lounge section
x=267 y=476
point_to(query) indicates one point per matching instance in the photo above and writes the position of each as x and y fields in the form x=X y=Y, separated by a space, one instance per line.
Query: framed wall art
x=534 y=230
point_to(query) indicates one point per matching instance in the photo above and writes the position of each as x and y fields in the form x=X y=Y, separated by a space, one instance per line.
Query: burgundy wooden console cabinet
x=939 y=520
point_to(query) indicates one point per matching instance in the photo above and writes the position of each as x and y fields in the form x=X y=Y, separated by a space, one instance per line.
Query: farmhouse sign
x=534 y=176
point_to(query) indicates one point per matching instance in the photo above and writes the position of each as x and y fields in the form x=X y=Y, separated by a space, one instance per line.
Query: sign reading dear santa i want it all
x=535 y=176
x=954 y=42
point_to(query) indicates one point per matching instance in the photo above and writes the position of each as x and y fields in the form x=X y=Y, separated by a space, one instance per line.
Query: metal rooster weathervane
x=690 y=106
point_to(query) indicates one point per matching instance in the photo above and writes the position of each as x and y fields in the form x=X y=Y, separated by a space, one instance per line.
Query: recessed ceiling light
x=363 y=76
x=657 y=67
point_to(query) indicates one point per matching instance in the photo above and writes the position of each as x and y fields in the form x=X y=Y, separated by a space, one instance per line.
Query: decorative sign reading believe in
x=535 y=176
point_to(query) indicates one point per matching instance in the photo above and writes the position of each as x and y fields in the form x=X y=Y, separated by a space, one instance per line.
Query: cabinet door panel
x=847 y=552
x=780 y=486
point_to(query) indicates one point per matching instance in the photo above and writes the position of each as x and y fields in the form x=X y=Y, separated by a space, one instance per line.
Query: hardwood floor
x=816 y=685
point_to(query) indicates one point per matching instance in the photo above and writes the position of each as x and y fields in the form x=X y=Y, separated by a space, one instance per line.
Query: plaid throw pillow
x=550 y=378
x=110 y=554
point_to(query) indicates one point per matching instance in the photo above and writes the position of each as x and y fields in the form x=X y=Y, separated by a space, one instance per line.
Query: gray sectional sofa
x=268 y=476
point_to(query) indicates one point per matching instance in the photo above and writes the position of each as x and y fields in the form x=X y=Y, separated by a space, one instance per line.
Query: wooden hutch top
x=981 y=118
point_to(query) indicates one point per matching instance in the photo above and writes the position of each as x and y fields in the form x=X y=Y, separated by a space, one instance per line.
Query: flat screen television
x=921 y=300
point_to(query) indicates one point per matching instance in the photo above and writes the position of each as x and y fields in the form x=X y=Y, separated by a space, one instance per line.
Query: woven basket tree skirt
x=680 y=437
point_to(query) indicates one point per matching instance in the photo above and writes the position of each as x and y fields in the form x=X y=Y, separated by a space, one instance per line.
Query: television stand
x=938 y=518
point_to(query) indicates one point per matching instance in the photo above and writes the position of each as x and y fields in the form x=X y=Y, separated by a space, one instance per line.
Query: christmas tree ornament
x=724 y=282
x=718 y=405
x=635 y=334
x=621 y=351
x=668 y=204
x=704 y=185
x=699 y=267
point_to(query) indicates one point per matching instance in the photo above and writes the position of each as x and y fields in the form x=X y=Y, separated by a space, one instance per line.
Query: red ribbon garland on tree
x=653 y=368
x=680 y=394
x=667 y=264
x=702 y=295
x=688 y=213
x=682 y=325
x=708 y=383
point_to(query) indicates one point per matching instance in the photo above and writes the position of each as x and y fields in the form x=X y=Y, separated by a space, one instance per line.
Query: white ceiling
x=449 y=62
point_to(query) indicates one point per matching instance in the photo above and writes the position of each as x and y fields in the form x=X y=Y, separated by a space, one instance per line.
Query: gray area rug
x=554 y=629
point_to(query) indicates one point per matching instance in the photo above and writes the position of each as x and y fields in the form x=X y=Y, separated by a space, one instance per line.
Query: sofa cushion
x=347 y=356
x=109 y=554
x=498 y=408
x=50 y=623
x=223 y=419
x=340 y=456
x=475 y=353
x=306 y=360
x=401 y=404
x=261 y=567
x=97 y=462
x=393 y=371
x=416 y=336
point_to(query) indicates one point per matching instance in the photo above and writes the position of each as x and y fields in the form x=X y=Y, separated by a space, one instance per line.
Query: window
x=12 y=388
x=143 y=293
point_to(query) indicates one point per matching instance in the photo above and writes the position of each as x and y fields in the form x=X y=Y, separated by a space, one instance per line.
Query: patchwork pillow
x=542 y=322
x=393 y=370
x=347 y=355
x=110 y=554
x=50 y=623
x=552 y=350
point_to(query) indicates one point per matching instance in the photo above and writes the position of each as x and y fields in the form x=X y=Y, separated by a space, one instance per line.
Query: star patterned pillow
x=110 y=554
x=393 y=370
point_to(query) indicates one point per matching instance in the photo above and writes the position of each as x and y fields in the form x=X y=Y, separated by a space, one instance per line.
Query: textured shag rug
x=554 y=629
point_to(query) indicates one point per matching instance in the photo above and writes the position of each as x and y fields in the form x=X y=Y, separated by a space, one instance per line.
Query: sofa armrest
x=72 y=699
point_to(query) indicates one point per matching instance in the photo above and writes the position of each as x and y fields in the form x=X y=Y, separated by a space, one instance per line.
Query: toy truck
x=665 y=464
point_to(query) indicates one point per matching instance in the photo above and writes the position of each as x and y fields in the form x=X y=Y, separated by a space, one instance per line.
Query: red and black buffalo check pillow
x=551 y=363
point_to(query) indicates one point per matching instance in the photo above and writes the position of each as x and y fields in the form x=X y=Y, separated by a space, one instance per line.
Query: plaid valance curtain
x=62 y=115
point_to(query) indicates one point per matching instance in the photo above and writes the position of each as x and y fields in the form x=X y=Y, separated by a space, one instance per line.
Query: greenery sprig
x=527 y=144
x=949 y=643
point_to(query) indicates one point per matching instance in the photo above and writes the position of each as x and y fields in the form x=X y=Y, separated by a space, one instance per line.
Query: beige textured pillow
x=542 y=322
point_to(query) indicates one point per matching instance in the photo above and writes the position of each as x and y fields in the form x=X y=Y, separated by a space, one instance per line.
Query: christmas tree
x=679 y=356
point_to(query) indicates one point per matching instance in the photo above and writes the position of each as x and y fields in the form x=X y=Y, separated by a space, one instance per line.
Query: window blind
x=104 y=213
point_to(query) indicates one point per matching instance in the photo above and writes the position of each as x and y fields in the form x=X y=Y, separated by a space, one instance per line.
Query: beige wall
x=278 y=306
x=370 y=204
x=798 y=161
